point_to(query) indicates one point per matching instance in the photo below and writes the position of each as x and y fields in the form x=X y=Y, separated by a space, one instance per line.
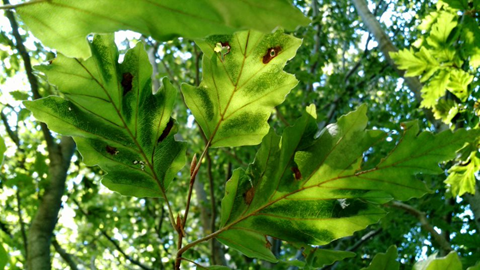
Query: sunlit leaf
x=116 y=121
x=462 y=178
x=161 y=19
x=435 y=89
x=440 y=30
x=387 y=260
x=243 y=80
x=313 y=191
x=450 y=262
x=458 y=84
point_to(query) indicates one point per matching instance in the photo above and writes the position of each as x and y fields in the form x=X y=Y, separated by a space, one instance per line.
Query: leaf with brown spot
x=271 y=53
x=111 y=150
x=248 y=195
x=115 y=118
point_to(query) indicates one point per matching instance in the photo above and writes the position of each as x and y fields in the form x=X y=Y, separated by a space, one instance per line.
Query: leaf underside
x=64 y=24
x=309 y=190
x=242 y=83
x=116 y=121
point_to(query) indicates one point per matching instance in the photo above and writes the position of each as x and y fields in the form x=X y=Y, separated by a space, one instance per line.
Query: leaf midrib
x=150 y=165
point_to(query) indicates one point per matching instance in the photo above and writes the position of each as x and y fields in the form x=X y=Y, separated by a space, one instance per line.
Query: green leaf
x=3 y=148
x=217 y=267
x=116 y=121
x=313 y=191
x=241 y=86
x=19 y=95
x=317 y=257
x=161 y=19
x=457 y=4
x=440 y=31
x=458 y=84
x=475 y=267
x=386 y=260
x=406 y=60
x=435 y=89
x=462 y=176
x=3 y=257
x=450 y=262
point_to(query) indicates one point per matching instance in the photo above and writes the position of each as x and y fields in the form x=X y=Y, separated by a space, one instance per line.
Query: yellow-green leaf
x=243 y=80
x=311 y=191
x=462 y=178
x=116 y=121
x=73 y=20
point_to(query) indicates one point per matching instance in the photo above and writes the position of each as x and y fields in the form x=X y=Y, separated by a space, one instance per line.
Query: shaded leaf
x=187 y=18
x=387 y=260
x=450 y=262
x=3 y=148
x=3 y=257
x=317 y=257
x=241 y=87
x=117 y=124
x=335 y=196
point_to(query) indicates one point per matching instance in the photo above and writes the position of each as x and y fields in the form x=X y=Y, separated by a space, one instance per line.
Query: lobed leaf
x=309 y=190
x=449 y=262
x=385 y=260
x=243 y=80
x=462 y=178
x=116 y=121
x=64 y=24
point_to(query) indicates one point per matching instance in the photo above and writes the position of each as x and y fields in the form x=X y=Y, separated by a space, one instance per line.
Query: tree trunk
x=41 y=229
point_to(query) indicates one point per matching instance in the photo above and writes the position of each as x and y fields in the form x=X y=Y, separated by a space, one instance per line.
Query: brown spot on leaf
x=226 y=45
x=296 y=173
x=127 y=79
x=271 y=53
x=111 y=150
x=166 y=131
x=268 y=244
x=248 y=195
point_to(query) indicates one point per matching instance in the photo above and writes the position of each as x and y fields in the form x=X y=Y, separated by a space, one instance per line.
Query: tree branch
x=386 y=46
x=64 y=254
x=444 y=244
x=111 y=240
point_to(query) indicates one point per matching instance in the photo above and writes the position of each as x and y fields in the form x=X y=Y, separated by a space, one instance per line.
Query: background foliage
x=339 y=66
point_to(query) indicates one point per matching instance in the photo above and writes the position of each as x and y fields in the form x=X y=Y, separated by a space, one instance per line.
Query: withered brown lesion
x=127 y=80
x=248 y=195
x=270 y=54
x=296 y=173
x=111 y=150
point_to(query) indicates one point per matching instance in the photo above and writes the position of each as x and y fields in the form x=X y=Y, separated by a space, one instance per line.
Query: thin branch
x=364 y=239
x=444 y=244
x=8 y=6
x=28 y=66
x=64 y=254
x=22 y=223
x=117 y=246
x=13 y=135
x=213 y=203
